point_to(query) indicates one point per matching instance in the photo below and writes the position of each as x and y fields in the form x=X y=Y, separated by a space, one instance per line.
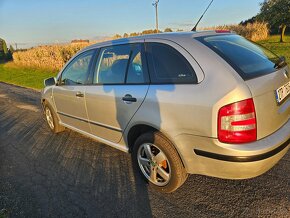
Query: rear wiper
x=280 y=63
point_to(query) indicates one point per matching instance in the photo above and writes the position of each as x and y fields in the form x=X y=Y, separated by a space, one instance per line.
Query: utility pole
x=155 y=4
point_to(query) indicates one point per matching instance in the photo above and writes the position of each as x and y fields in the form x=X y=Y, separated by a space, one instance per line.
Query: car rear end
x=250 y=132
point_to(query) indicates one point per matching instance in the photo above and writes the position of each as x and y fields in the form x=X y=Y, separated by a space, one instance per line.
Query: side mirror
x=283 y=59
x=50 y=82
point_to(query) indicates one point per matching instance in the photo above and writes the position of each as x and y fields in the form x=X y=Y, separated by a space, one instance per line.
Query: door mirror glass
x=50 y=82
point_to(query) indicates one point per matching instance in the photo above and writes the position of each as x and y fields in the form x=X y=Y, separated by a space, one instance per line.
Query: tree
x=277 y=14
x=11 y=49
x=167 y=30
x=3 y=49
x=117 y=36
x=125 y=35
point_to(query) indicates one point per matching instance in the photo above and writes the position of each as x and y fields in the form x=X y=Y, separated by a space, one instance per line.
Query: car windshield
x=247 y=58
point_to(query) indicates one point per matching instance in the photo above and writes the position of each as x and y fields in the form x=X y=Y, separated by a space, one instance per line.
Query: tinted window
x=167 y=65
x=76 y=72
x=112 y=65
x=137 y=70
x=247 y=58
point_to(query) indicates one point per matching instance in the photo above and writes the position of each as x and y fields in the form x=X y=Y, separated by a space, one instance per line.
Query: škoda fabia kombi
x=210 y=103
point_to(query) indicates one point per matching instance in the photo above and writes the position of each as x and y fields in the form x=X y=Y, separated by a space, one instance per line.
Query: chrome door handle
x=79 y=94
x=129 y=99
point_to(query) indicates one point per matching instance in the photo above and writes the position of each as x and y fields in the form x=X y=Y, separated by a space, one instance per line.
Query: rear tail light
x=237 y=122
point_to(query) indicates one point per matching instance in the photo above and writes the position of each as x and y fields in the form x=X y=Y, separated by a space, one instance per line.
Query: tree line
x=144 y=32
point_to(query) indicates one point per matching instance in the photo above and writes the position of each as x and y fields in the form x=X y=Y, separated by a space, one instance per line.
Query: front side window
x=76 y=73
x=168 y=66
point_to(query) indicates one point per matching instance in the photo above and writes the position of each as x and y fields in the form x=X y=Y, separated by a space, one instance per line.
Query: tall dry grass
x=256 y=31
x=49 y=57
x=53 y=57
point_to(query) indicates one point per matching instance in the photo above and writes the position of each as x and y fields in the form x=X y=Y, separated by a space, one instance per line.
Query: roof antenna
x=194 y=28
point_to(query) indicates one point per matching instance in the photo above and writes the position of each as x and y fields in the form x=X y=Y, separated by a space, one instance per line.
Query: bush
x=254 y=31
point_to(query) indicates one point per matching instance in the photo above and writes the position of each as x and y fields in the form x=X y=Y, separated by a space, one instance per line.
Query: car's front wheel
x=156 y=159
x=52 y=119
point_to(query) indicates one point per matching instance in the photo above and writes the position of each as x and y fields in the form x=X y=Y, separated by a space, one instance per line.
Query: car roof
x=167 y=36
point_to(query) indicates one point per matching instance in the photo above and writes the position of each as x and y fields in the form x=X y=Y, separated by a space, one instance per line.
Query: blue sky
x=30 y=22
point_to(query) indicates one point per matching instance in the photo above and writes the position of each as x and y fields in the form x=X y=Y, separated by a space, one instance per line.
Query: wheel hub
x=154 y=164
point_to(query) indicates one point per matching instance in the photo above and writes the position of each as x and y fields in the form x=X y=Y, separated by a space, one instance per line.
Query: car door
x=120 y=84
x=69 y=94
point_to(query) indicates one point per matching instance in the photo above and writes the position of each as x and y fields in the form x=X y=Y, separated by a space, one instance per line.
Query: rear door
x=70 y=92
x=120 y=84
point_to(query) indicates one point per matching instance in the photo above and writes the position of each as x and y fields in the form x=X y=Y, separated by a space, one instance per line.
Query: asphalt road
x=68 y=175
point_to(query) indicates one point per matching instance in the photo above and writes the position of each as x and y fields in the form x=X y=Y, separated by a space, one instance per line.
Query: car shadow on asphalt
x=66 y=175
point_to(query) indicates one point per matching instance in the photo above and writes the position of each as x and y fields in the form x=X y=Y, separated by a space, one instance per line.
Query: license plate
x=283 y=92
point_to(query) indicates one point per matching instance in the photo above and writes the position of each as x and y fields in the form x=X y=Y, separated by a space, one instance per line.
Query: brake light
x=223 y=31
x=237 y=122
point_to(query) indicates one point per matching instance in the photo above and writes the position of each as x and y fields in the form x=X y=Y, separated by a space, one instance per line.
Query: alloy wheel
x=49 y=118
x=154 y=164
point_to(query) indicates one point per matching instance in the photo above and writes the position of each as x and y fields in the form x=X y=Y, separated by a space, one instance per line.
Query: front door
x=69 y=95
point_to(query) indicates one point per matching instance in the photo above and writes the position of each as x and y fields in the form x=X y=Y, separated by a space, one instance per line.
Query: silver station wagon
x=210 y=103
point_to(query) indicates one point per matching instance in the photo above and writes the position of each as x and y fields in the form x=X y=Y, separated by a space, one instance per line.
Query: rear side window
x=112 y=65
x=168 y=66
x=137 y=71
x=250 y=60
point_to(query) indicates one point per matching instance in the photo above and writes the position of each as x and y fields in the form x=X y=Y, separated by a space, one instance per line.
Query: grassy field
x=281 y=49
x=27 y=77
x=33 y=78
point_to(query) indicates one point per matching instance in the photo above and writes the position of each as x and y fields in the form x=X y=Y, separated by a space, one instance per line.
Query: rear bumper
x=208 y=156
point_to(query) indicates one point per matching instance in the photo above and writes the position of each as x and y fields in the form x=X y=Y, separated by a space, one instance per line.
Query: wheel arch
x=139 y=129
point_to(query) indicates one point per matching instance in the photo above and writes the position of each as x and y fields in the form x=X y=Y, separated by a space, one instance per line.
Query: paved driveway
x=68 y=175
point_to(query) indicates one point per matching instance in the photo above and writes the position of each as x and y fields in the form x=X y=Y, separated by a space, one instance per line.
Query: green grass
x=33 y=78
x=26 y=77
x=281 y=49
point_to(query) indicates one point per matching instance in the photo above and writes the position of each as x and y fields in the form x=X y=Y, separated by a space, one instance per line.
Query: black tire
x=178 y=173
x=56 y=128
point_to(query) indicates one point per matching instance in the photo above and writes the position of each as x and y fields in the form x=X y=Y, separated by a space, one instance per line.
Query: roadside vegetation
x=255 y=31
x=281 y=49
x=32 y=76
x=24 y=76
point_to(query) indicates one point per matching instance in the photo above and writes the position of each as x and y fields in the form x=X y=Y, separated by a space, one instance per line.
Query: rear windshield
x=250 y=60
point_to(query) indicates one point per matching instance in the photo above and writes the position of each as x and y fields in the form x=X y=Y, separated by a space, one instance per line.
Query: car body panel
x=270 y=115
x=187 y=114
x=108 y=113
x=70 y=108
x=187 y=143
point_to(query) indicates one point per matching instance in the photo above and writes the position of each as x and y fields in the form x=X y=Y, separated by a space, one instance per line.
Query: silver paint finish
x=105 y=105
x=68 y=103
x=185 y=114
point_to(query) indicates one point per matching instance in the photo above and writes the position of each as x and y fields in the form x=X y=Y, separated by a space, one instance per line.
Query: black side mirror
x=50 y=82
x=283 y=59
x=281 y=62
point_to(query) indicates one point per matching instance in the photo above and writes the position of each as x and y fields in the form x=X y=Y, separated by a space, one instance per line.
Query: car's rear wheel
x=52 y=119
x=156 y=159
